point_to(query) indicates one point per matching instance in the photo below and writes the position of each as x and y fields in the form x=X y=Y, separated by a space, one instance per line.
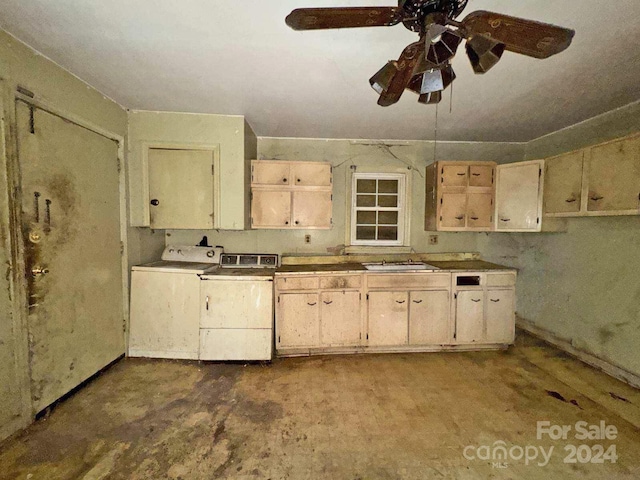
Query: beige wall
x=19 y=65
x=364 y=155
x=582 y=286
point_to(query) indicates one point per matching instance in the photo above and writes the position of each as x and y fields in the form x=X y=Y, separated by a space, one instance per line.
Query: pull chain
x=435 y=136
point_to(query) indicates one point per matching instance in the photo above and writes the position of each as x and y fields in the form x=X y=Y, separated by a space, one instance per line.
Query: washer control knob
x=210 y=253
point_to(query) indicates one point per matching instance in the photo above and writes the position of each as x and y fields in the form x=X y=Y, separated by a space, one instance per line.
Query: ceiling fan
x=425 y=66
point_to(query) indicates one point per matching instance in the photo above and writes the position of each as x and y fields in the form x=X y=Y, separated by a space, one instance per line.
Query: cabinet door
x=480 y=210
x=340 y=318
x=614 y=176
x=518 y=198
x=453 y=210
x=563 y=184
x=270 y=173
x=429 y=318
x=481 y=175
x=388 y=318
x=469 y=316
x=298 y=320
x=454 y=175
x=180 y=189
x=311 y=209
x=500 y=317
x=270 y=209
x=236 y=304
x=310 y=174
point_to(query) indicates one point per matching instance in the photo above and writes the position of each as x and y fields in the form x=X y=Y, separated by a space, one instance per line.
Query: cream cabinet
x=519 y=188
x=181 y=188
x=484 y=307
x=298 y=320
x=288 y=195
x=388 y=318
x=340 y=318
x=595 y=181
x=429 y=317
x=460 y=196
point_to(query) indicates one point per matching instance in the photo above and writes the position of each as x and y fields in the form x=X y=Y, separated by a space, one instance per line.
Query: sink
x=398 y=266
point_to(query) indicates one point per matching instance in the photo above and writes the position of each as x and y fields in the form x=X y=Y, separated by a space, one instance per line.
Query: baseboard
x=588 y=358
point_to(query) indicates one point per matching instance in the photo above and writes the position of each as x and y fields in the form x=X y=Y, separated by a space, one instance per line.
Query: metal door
x=71 y=226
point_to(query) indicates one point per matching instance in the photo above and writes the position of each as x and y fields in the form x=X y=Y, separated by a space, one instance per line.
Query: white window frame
x=401 y=208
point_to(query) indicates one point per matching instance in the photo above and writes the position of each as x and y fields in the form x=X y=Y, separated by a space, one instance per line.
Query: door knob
x=37 y=271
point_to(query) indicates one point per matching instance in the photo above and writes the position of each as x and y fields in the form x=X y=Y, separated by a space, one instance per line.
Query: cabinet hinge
x=441 y=200
x=360 y=336
x=278 y=298
x=538 y=220
x=32 y=119
x=121 y=248
x=367 y=296
x=332 y=197
x=212 y=169
x=124 y=325
x=278 y=338
x=367 y=336
x=455 y=295
x=118 y=165
x=441 y=218
x=539 y=172
x=360 y=295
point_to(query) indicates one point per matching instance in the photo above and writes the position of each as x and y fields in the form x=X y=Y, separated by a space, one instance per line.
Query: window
x=378 y=209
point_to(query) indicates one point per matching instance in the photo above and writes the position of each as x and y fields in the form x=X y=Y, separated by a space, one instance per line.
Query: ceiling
x=239 y=57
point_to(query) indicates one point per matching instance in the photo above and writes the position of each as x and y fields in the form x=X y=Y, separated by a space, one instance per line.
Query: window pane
x=388 y=218
x=366 y=201
x=366 y=186
x=388 y=186
x=387 y=200
x=387 y=233
x=366 y=233
x=365 y=217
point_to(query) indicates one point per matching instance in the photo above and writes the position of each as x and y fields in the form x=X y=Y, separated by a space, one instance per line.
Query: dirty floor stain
x=339 y=417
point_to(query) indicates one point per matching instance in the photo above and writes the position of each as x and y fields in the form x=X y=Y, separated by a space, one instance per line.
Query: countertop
x=446 y=266
x=240 y=272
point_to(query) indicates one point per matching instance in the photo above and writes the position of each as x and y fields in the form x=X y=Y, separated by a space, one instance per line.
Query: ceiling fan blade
x=406 y=65
x=343 y=17
x=527 y=37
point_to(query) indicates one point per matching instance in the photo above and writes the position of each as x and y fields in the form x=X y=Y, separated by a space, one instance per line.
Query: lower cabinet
x=469 y=316
x=298 y=320
x=388 y=318
x=340 y=320
x=500 y=316
x=429 y=318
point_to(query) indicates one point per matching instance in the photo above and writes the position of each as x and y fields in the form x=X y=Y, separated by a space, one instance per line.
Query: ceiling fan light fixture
x=443 y=50
x=430 y=98
x=437 y=80
x=484 y=52
x=382 y=78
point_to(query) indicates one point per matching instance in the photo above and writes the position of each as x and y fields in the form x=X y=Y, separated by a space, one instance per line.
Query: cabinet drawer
x=501 y=279
x=403 y=281
x=340 y=282
x=297 y=283
x=235 y=344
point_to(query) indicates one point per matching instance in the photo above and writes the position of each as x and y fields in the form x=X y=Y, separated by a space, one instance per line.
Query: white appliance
x=165 y=302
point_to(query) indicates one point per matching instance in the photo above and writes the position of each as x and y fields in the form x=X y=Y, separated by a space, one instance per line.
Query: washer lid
x=170 y=266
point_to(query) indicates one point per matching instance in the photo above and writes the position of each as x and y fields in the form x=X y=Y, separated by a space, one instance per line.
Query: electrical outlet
x=433 y=239
x=307 y=239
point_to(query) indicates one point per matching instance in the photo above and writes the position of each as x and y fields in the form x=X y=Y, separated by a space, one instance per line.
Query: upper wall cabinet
x=288 y=195
x=181 y=188
x=460 y=196
x=596 y=181
x=519 y=196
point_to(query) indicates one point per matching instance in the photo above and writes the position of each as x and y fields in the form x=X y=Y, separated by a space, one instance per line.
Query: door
x=480 y=210
x=469 y=316
x=454 y=175
x=453 y=210
x=614 y=176
x=311 y=174
x=429 y=318
x=298 y=320
x=181 y=188
x=500 y=317
x=165 y=315
x=270 y=173
x=71 y=220
x=312 y=209
x=388 y=318
x=481 y=175
x=236 y=304
x=270 y=209
x=563 y=184
x=518 y=198
x=340 y=318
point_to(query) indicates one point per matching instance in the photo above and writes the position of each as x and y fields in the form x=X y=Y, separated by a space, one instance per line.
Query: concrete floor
x=340 y=417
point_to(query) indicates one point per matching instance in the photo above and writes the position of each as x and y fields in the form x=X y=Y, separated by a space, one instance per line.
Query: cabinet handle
x=595 y=198
x=474 y=300
x=474 y=218
x=400 y=301
x=155 y=202
x=298 y=180
x=297 y=222
x=327 y=303
x=417 y=301
x=571 y=200
x=461 y=174
x=475 y=174
x=284 y=180
x=495 y=301
x=311 y=304
x=460 y=217
x=505 y=219
x=206 y=302
x=287 y=222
